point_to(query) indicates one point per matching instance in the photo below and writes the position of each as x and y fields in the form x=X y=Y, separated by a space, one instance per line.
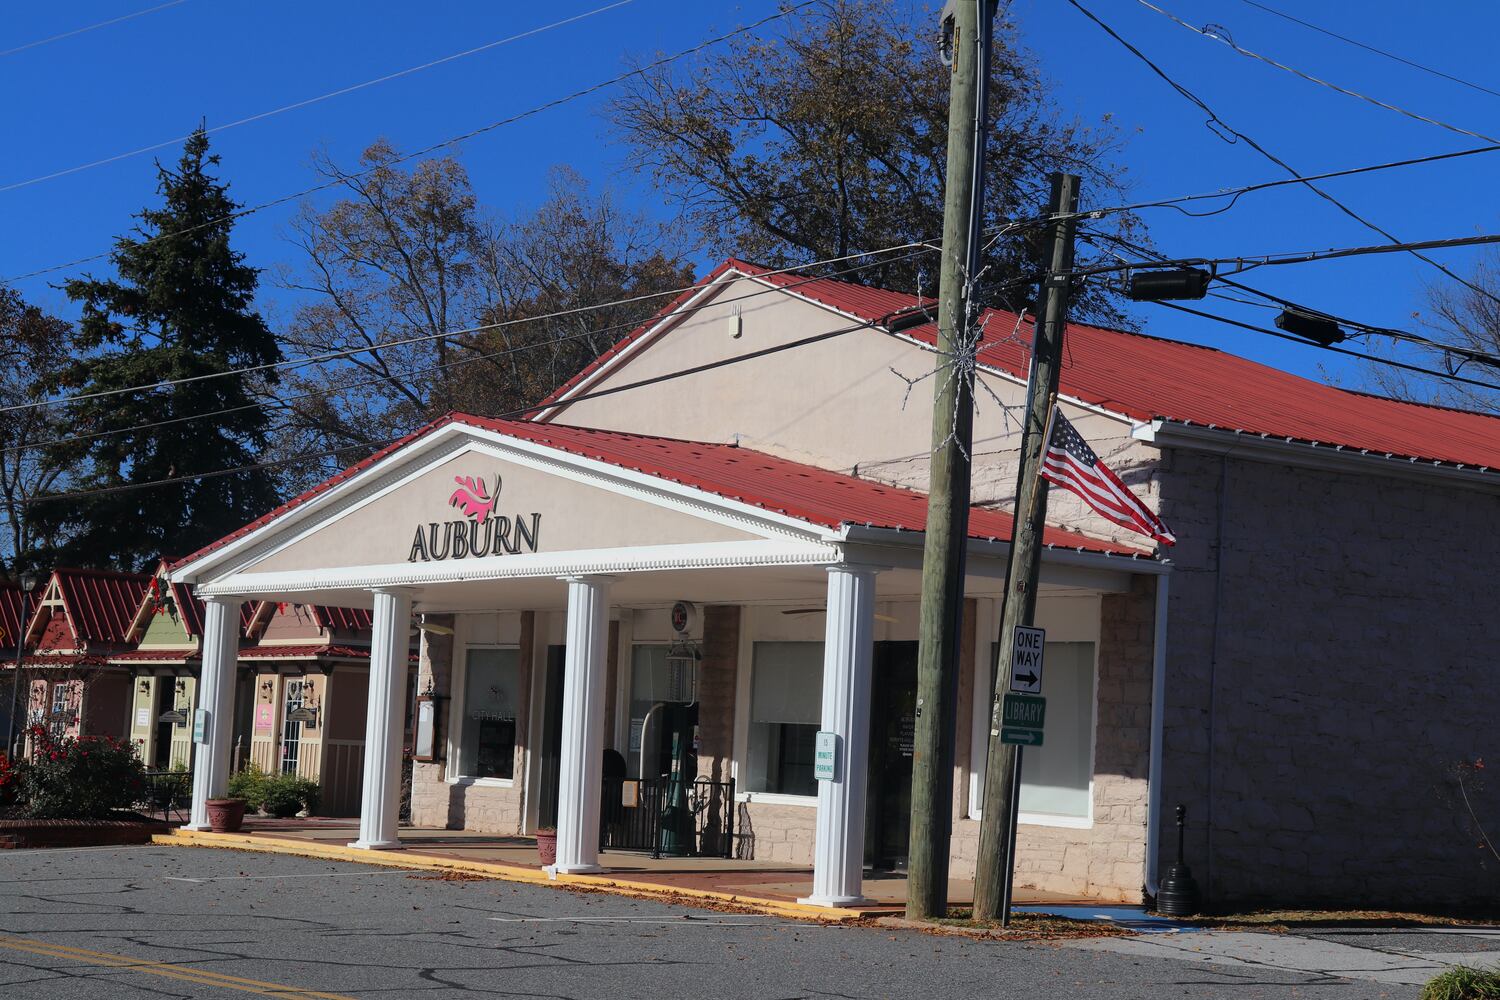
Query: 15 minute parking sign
x=1026 y=660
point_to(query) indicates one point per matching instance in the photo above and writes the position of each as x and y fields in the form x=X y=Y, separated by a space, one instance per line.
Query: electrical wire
x=1276 y=301
x=1214 y=119
x=1370 y=48
x=434 y=147
x=1248 y=262
x=89 y=27
x=885 y=320
x=261 y=116
x=408 y=341
x=1392 y=362
x=282 y=402
x=1206 y=32
x=1237 y=192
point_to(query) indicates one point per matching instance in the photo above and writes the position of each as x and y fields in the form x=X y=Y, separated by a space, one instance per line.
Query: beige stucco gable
x=476 y=505
x=860 y=403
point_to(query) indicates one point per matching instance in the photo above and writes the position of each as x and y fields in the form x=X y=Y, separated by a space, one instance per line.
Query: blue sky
x=153 y=77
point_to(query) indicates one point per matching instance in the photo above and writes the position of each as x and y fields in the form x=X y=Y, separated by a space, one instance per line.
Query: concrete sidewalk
x=1391 y=956
x=771 y=887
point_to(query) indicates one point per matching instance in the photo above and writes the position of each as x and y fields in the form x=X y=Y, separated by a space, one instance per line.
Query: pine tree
x=181 y=308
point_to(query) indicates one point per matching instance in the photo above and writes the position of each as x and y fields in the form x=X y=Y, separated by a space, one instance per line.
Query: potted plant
x=546 y=845
x=225 y=815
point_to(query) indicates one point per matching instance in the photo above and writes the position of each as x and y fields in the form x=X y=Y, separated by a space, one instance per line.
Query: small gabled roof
x=777 y=485
x=1145 y=378
x=100 y=604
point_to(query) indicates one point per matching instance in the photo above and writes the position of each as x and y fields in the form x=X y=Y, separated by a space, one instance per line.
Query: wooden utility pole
x=997 y=821
x=968 y=24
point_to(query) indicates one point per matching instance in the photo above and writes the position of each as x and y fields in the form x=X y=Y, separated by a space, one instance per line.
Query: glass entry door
x=549 y=773
x=893 y=721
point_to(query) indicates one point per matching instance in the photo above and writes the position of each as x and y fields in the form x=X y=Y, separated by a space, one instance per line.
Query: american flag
x=1071 y=463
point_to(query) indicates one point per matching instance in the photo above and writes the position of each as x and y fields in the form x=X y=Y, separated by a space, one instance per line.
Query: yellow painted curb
x=508 y=873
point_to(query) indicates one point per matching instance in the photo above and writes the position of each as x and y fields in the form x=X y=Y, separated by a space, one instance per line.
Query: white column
x=582 y=725
x=390 y=648
x=848 y=646
x=221 y=649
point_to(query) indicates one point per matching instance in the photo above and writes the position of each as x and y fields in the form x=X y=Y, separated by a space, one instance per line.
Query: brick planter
x=77 y=832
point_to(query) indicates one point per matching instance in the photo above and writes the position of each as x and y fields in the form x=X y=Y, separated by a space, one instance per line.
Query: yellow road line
x=201 y=977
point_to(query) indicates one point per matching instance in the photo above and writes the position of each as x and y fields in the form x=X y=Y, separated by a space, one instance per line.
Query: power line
x=1370 y=48
x=1214 y=119
x=408 y=341
x=283 y=402
x=1364 y=328
x=312 y=100
x=1249 y=262
x=445 y=143
x=1303 y=179
x=1392 y=362
x=1415 y=116
x=88 y=28
x=885 y=320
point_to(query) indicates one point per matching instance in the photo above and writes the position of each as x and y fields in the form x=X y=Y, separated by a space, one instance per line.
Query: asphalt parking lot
x=185 y=922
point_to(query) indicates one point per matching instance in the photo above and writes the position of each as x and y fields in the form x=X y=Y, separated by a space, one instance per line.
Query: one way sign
x=1026 y=660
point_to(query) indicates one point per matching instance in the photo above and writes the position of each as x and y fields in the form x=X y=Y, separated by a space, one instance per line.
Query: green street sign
x=1022 y=737
x=1024 y=711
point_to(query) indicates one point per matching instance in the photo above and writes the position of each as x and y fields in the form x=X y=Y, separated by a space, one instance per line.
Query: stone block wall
x=1325 y=686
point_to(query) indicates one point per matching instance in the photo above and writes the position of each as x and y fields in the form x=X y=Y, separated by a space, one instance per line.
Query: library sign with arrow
x=1025 y=710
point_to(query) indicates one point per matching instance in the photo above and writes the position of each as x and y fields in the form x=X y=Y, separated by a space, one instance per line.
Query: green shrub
x=250 y=785
x=285 y=795
x=87 y=778
x=1464 y=983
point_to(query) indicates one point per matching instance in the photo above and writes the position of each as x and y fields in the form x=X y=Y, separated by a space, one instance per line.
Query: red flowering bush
x=10 y=781
x=87 y=778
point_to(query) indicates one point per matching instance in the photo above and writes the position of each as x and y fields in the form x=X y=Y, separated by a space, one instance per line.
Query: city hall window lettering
x=496 y=535
x=487 y=726
x=786 y=699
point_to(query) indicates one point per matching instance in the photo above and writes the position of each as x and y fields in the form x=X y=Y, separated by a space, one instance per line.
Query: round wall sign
x=683 y=617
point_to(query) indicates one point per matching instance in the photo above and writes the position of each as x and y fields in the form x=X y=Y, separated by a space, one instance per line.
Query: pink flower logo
x=473 y=499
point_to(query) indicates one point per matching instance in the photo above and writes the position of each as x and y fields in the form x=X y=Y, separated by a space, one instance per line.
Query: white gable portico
x=477 y=516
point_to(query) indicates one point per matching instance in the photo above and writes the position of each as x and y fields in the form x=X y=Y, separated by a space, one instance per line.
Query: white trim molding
x=1313 y=454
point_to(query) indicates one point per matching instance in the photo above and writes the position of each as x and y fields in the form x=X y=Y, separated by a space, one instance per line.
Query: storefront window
x=487 y=728
x=1055 y=776
x=786 y=706
x=650 y=684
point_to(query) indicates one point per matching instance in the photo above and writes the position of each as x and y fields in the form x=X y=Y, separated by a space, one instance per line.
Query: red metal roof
x=16 y=607
x=805 y=492
x=100 y=603
x=774 y=484
x=155 y=656
x=345 y=619
x=303 y=652
x=1147 y=378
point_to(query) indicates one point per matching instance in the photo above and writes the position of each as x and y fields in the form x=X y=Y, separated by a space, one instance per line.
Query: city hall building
x=645 y=606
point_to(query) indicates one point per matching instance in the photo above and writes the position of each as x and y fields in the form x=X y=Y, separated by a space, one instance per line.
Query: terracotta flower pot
x=546 y=846
x=225 y=815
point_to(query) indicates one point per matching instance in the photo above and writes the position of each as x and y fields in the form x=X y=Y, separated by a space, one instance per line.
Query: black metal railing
x=668 y=816
x=167 y=793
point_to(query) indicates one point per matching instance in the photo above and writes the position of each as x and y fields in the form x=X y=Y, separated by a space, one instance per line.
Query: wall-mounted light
x=144 y=687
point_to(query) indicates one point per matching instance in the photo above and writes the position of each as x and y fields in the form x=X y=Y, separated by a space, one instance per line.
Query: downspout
x=1158 y=714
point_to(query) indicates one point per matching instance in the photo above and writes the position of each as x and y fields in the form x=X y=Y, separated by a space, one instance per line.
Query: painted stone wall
x=1324 y=689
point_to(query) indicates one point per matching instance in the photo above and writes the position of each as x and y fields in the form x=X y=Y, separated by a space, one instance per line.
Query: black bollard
x=1177 y=896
